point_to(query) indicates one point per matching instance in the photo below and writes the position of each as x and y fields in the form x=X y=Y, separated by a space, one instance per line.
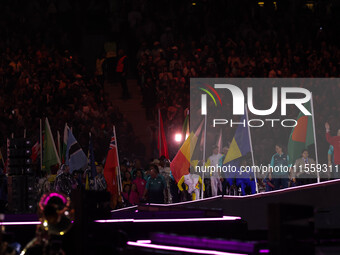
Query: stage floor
x=254 y=208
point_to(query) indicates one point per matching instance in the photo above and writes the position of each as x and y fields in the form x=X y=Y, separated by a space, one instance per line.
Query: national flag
x=302 y=135
x=35 y=152
x=240 y=145
x=91 y=161
x=75 y=156
x=162 y=144
x=181 y=163
x=50 y=155
x=64 y=145
x=111 y=170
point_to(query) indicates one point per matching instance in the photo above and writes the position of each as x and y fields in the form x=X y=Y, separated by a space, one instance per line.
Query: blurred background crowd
x=58 y=59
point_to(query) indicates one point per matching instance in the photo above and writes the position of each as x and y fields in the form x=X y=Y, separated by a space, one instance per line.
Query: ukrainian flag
x=240 y=144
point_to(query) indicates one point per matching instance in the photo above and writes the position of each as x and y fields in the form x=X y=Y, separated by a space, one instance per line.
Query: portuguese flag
x=302 y=135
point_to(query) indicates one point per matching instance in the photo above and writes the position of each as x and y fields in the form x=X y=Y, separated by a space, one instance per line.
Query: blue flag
x=91 y=162
x=240 y=144
x=75 y=156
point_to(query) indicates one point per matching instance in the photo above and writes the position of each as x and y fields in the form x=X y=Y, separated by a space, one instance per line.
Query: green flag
x=50 y=154
x=302 y=135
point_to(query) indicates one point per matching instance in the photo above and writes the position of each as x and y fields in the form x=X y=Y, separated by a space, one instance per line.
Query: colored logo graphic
x=204 y=97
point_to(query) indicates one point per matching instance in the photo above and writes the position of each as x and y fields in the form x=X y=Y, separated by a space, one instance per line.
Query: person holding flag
x=239 y=147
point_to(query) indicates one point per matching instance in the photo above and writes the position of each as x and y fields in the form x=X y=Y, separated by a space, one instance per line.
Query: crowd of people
x=42 y=74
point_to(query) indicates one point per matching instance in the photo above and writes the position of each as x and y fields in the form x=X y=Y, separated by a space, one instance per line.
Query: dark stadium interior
x=110 y=80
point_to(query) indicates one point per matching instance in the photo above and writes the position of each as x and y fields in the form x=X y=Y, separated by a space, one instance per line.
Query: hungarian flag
x=162 y=144
x=50 y=154
x=302 y=135
x=181 y=163
x=111 y=171
x=35 y=152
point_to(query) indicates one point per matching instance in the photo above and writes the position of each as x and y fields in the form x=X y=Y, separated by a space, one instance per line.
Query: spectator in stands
x=121 y=71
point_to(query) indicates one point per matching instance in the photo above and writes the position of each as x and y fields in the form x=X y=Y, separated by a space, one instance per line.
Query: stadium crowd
x=42 y=75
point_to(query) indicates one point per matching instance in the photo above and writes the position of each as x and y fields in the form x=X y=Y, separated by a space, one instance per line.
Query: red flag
x=111 y=169
x=162 y=145
x=35 y=152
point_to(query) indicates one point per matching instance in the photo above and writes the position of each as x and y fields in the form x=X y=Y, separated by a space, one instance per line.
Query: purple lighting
x=143 y=241
x=179 y=249
x=18 y=223
x=190 y=219
x=224 y=218
x=264 y=251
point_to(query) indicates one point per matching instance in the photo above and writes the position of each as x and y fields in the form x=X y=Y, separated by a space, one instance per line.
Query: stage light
x=178 y=137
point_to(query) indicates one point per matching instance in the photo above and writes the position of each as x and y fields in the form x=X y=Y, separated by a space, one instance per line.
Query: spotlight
x=178 y=137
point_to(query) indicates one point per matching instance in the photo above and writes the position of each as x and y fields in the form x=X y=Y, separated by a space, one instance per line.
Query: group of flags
x=301 y=137
x=69 y=152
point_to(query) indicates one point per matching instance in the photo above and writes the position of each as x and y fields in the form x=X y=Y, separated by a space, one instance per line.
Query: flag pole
x=118 y=172
x=159 y=133
x=204 y=145
x=316 y=147
x=219 y=142
x=251 y=149
x=58 y=144
x=41 y=145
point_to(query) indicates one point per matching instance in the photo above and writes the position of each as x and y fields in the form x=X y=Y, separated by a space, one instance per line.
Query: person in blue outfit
x=279 y=174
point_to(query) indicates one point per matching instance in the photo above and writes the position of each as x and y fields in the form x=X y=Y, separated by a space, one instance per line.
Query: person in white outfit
x=215 y=177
